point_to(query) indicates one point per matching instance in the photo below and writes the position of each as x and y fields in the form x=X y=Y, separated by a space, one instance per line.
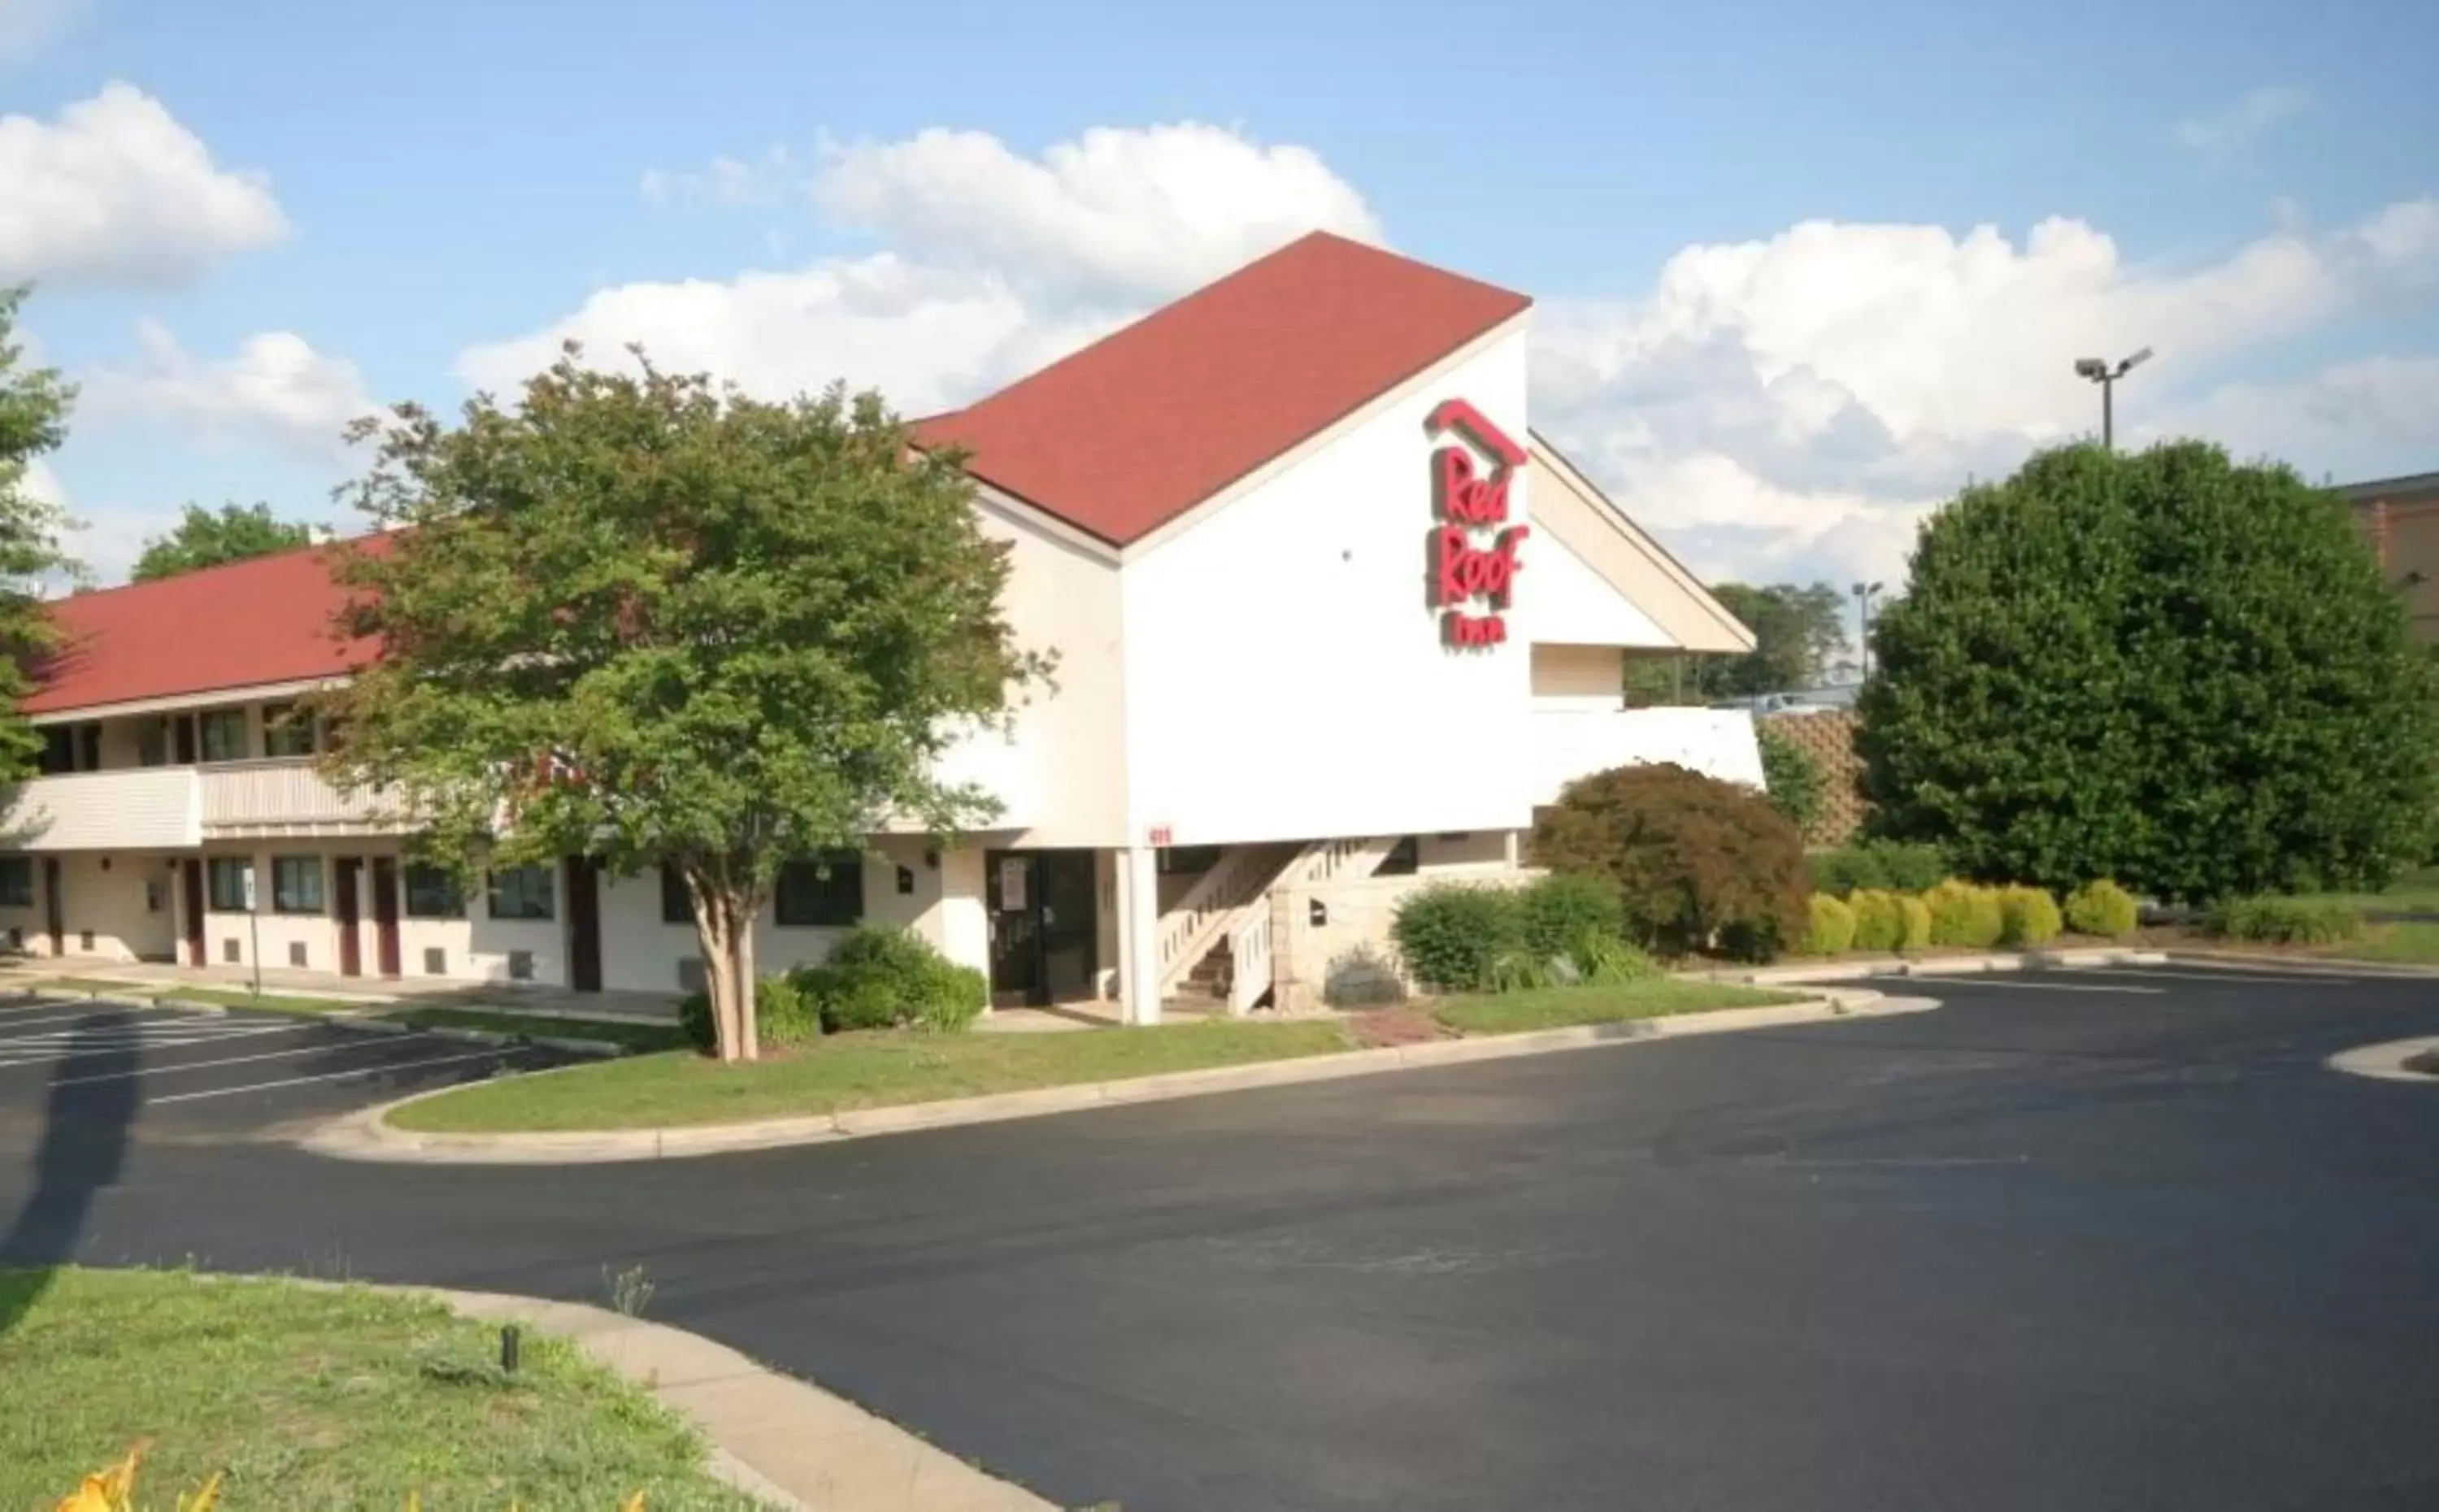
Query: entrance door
x=1045 y=925
x=351 y=958
x=583 y=924
x=190 y=894
x=385 y=915
x=54 y=914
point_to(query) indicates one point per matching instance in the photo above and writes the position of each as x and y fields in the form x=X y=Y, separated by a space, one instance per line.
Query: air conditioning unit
x=521 y=965
x=690 y=974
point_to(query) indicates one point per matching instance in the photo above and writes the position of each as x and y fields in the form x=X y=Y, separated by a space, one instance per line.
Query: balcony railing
x=287 y=796
x=140 y=809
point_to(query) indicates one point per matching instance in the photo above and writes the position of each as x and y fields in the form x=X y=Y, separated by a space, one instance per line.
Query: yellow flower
x=110 y=1491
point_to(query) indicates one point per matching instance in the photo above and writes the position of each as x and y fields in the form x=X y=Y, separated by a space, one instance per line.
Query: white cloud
x=117 y=192
x=1804 y=399
x=275 y=387
x=28 y=26
x=2365 y=416
x=996 y=263
x=729 y=182
x=2244 y=120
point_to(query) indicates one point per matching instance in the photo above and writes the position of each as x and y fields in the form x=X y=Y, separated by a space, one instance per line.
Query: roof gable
x=1138 y=428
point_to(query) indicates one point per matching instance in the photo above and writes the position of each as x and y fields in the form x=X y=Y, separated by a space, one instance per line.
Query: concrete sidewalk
x=791 y=1444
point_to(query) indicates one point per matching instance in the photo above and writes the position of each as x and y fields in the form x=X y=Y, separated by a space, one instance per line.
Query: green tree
x=2166 y=668
x=207 y=538
x=649 y=619
x=1791 y=775
x=1800 y=635
x=34 y=404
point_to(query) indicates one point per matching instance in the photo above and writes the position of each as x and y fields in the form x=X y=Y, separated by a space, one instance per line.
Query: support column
x=1139 y=934
x=1515 y=848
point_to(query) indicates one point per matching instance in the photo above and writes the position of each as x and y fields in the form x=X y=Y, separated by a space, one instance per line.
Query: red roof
x=1140 y=427
x=266 y=620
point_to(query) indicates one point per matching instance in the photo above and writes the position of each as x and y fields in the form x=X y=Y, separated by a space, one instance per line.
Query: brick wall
x=1829 y=736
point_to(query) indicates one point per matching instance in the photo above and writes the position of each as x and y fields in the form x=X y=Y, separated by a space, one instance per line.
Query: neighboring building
x=2402 y=517
x=1330 y=618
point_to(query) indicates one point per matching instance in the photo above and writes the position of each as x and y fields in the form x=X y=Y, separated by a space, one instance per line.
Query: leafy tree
x=649 y=619
x=2166 y=667
x=34 y=404
x=1801 y=636
x=207 y=538
x=1791 y=775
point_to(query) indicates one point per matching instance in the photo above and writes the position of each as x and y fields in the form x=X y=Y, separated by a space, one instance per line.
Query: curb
x=2303 y=965
x=1936 y=966
x=2387 y=1062
x=365 y=1135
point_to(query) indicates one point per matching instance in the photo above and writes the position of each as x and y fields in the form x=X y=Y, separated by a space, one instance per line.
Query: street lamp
x=1863 y=593
x=2098 y=371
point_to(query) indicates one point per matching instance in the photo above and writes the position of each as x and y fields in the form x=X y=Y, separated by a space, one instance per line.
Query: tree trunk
x=723 y=923
x=748 y=990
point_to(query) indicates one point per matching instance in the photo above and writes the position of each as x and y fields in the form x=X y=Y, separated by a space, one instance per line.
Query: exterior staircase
x=1214 y=942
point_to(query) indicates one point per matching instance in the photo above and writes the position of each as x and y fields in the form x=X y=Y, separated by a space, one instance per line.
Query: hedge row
x=1876 y=920
x=873 y=978
x=1458 y=936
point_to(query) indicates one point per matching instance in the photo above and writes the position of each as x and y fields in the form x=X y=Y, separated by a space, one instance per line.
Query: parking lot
x=89 y=1063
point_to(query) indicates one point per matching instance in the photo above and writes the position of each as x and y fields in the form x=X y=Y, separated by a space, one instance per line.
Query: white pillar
x=1515 y=848
x=1139 y=934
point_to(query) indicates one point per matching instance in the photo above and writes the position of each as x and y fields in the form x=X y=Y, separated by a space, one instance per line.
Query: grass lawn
x=873 y=1069
x=2414 y=890
x=1560 y=1007
x=70 y=985
x=638 y=1038
x=313 y=1400
x=268 y=1002
x=2402 y=944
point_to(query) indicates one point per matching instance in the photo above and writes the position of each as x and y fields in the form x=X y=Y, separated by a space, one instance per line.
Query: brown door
x=583 y=924
x=351 y=960
x=386 y=914
x=55 y=914
x=190 y=879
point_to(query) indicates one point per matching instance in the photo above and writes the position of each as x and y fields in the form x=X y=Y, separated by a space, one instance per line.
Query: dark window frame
x=529 y=911
x=218 y=718
x=15 y=870
x=285 y=867
x=415 y=883
x=236 y=869
x=286 y=725
x=820 y=892
x=677 y=907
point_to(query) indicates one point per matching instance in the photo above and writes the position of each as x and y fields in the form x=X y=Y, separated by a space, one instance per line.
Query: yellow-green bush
x=2102 y=907
x=1914 y=917
x=1830 y=929
x=2028 y=916
x=1878 y=923
x=1961 y=914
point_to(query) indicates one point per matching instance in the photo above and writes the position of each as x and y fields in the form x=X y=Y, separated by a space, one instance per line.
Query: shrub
x=2285 y=921
x=1880 y=925
x=1832 y=928
x=1699 y=863
x=782 y=1016
x=1961 y=914
x=1557 y=911
x=880 y=978
x=2106 y=640
x=1791 y=777
x=1605 y=960
x=1361 y=977
x=2028 y=916
x=1449 y=933
x=1914 y=919
x=1886 y=864
x=2102 y=907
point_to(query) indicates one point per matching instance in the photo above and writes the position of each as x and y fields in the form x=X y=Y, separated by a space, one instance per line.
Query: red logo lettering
x=1461 y=571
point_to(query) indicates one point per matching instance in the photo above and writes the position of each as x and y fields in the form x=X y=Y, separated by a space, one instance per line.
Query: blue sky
x=1767 y=321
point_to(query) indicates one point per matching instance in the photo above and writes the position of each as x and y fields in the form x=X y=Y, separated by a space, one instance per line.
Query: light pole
x=2098 y=371
x=1863 y=593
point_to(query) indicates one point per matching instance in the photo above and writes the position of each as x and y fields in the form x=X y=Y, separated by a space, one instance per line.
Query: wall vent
x=690 y=974
x=84 y=941
x=436 y=961
x=231 y=951
x=16 y=938
x=296 y=953
x=521 y=965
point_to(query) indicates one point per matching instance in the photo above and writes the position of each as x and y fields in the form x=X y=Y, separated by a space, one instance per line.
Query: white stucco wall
x=1592 y=675
x=1285 y=676
x=109 y=900
x=1575 y=605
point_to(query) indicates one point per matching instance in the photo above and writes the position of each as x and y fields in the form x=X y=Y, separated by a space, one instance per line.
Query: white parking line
x=53 y=1005
x=38 y=1023
x=335 y=1075
x=236 y=1061
x=1986 y=979
x=67 y=1046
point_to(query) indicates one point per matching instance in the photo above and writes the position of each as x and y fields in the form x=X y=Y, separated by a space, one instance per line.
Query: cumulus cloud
x=729 y=182
x=996 y=262
x=1804 y=399
x=2368 y=414
x=2244 y=120
x=115 y=190
x=28 y=26
x=275 y=387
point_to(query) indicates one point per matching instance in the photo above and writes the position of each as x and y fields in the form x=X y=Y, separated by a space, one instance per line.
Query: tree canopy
x=2167 y=669
x=207 y=537
x=34 y=406
x=643 y=617
x=1801 y=639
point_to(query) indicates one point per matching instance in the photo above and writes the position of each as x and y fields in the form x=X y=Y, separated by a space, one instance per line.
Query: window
x=286 y=731
x=224 y=735
x=232 y=878
x=153 y=743
x=1402 y=859
x=296 y=885
x=59 y=750
x=828 y=891
x=676 y=907
x=17 y=881
x=432 y=892
x=522 y=892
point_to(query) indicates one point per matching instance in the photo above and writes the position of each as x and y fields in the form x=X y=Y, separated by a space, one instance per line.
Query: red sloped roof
x=266 y=620
x=1140 y=427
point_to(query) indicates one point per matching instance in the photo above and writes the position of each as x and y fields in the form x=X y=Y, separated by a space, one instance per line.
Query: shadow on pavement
x=88 y=1111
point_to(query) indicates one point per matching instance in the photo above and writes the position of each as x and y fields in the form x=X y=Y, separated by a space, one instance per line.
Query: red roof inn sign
x=1472 y=547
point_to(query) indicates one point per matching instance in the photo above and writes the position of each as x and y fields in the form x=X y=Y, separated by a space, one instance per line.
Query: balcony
x=1572 y=740
x=286 y=796
x=142 y=808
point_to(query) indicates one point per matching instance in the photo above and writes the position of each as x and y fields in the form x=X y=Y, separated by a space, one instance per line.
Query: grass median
x=882 y=1070
x=314 y=1398
x=636 y=1039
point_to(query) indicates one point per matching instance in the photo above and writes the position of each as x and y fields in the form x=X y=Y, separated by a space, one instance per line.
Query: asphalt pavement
x=2087 y=1239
